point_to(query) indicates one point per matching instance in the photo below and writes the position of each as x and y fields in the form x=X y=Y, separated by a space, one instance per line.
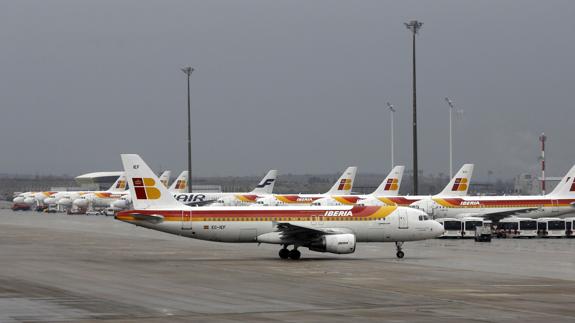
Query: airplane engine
x=121 y=204
x=50 y=200
x=65 y=201
x=29 y=200
x=334 y=243
x=81 y=203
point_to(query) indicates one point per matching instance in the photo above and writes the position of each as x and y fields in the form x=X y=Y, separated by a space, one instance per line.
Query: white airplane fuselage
x=528 y=206
x=225 y=224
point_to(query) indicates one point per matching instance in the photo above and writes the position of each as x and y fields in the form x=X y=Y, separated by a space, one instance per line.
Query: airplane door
x=316 y=220
x=403 y=224
x=554 y=206
x=186 y=220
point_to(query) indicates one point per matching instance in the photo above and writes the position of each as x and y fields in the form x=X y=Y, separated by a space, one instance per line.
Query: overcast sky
x=300 y=86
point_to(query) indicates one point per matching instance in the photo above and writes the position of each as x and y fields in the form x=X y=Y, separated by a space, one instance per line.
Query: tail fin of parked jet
x=566 y=187
x=459 y=184
x=119 y=185
x=165 y=177
x=146 y=189
x=180 y=185
x=390 y=185
x=266 y=186
x=344 y=184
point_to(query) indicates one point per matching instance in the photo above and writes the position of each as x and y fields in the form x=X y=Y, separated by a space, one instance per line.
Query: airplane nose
x=437 y=229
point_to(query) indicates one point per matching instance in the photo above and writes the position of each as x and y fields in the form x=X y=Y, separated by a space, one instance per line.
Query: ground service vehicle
x=451 y=226
x=516 y=227
x=551 y=228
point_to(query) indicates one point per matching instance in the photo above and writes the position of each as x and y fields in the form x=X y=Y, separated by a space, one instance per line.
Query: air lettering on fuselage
x=190 y=198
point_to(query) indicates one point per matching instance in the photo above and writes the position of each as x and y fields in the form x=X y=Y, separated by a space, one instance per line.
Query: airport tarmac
x=56 y=267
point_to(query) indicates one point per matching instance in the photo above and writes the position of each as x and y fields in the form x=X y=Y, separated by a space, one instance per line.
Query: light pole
x=414 y=26
x=392 y=113
x=188 y=70
x=542 y=138
x=450 y=137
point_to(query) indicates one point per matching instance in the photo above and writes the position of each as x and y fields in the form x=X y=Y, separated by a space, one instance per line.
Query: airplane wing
x=297 y=233
x=152 y=218
x=496 y=216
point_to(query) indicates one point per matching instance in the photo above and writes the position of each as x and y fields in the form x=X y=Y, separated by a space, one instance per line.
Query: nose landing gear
x=398 y=245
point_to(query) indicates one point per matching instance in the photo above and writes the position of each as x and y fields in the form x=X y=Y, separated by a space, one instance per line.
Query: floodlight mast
x=392 y=114
x=414 y=27
x=450 y=136
x=188 y=70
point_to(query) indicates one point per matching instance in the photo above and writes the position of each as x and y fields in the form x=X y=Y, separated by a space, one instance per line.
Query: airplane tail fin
x=266 y=185
x=390 y=185
x=344 y=184
x=180 y=185
x=566 y=187
x=165 y=177
x=119 y=185
x=459 y=184
x=146 y=189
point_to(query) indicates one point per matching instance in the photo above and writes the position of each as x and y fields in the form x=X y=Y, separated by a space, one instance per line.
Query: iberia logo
x=181 y=184
x=460 y=184
x=572 y=186
x=345 y=184
x=391 y=184
x=145 y=189
x=121 y=184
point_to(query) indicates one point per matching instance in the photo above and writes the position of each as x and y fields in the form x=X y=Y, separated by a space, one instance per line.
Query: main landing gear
x=292 y=254
x=398 y=245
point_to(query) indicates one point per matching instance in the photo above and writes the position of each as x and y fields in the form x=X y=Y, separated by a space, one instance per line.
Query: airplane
x=265 y=186
x=65 y=199
x=389 y=187
x=559 y=202
x=333 y=229
x=342 y=186
x=104 y=199
x=31 y=198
